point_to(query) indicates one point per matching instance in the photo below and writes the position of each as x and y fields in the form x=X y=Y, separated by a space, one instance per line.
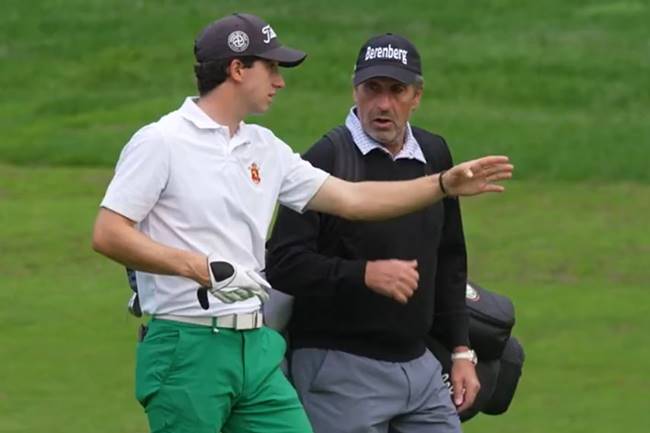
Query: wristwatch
x=469 y=355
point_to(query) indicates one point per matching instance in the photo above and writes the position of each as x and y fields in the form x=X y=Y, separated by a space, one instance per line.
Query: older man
x=367 y=293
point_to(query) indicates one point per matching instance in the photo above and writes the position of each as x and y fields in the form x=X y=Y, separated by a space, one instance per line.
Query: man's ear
x=417 y=97
x=355 y=89
x=235 y=69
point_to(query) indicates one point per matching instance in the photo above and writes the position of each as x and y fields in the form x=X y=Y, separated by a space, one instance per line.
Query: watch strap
x=469 y=355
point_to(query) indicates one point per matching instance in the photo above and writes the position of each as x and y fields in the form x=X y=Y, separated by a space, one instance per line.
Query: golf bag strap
x=348 y=162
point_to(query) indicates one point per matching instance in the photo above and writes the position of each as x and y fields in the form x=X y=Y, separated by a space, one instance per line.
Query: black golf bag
x=501 y=357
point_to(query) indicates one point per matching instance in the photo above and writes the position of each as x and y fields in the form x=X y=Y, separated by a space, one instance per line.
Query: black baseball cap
x=388 y=55
x=243 y=35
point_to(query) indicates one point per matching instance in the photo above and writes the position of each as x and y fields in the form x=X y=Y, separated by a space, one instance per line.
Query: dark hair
x=212 y=73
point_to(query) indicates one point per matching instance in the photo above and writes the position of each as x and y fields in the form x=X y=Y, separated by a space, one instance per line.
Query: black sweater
x=320 y=259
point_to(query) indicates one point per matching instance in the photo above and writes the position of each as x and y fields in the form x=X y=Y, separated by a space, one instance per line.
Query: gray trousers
x=344 y=393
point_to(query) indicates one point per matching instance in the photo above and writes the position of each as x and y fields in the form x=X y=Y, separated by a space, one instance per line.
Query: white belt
x=240 y=321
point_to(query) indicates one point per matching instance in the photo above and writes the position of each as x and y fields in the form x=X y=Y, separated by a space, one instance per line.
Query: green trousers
x=193 y=379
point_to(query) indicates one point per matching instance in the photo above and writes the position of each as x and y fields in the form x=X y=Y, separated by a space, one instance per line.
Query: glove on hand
x=232 y=283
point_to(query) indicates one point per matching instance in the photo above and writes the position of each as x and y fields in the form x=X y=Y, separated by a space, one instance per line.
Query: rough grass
x=560 y=86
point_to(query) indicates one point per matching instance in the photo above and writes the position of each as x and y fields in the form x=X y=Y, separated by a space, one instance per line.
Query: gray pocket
x=307 y=367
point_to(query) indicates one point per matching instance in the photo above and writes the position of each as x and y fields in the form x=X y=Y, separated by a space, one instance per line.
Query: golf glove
x=232 y=283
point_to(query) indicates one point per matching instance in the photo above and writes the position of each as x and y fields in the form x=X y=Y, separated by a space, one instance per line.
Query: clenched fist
x=396 y=279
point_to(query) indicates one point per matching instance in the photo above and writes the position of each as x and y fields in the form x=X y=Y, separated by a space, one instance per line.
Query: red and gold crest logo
x=255 y=173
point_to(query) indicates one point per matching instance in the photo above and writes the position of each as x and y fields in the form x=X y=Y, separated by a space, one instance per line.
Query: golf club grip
x=202 y=295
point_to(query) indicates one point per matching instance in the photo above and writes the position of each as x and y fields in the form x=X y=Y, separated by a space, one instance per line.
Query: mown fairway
x=563 y=87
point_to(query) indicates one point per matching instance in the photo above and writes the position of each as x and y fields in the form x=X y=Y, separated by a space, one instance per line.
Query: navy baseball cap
x=242 y=35
x=388 y=55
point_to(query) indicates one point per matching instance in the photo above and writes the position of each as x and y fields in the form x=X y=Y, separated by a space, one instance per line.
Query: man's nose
x=278 y=81
x=383 y=101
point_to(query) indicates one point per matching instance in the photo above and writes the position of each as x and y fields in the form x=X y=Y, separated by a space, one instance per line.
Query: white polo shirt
x=189 y=185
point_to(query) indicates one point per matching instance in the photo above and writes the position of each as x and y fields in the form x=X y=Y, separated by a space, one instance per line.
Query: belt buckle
x=245 y=321
x=237 y=324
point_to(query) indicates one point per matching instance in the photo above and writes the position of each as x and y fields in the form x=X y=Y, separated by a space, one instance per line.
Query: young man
x=190 y=205
x=359 y=360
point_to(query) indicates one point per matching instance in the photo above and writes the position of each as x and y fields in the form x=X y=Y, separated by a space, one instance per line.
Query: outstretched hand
x=477 y=176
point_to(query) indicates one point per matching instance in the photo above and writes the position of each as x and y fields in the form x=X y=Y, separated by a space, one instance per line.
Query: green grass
x=563 y=87
x=573 y=257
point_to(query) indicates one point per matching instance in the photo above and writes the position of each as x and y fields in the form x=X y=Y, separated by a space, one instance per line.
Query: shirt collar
x=193 y=113
x=365 y=143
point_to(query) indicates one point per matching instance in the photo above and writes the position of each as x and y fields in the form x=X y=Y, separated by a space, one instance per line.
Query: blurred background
x=561 y=86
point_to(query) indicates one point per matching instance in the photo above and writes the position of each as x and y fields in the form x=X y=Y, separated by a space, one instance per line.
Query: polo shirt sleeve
x=301 y=181
x=140 y=176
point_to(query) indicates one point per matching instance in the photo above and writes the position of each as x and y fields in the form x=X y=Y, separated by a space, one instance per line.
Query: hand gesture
x=476 y=176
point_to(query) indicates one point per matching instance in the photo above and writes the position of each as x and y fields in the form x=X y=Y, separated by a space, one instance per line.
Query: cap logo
x=269 y=33
x=238 y=41
x=387 y=53
x=471 y=293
